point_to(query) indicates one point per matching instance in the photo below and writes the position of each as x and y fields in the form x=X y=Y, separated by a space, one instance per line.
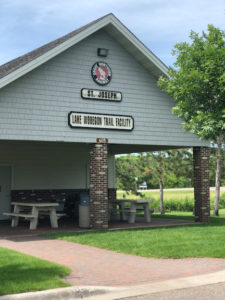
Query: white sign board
x=101 y=95
x=99 y=121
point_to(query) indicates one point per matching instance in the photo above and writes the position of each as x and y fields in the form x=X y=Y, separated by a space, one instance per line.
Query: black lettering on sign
x=100 y=121
x=101 y=95
x=108 y=121
x=76 y=119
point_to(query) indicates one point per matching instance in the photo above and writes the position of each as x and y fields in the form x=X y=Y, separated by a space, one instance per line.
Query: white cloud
x=26 y=24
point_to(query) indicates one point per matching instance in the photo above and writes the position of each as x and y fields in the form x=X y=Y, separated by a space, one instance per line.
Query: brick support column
x=99 y=186
x=201 y=184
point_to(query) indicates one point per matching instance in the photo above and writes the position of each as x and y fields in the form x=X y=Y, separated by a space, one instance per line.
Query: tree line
x=163 y=169
x=174 y=168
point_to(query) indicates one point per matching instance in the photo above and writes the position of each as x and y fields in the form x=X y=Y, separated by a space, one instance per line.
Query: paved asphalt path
x=205 y=292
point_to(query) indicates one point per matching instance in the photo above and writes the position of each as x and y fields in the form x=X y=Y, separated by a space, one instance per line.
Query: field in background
x=174 y=200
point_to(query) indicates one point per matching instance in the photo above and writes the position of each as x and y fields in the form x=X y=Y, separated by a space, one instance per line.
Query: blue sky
x=159 y=24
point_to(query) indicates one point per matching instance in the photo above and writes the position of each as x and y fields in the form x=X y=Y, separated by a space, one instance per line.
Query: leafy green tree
x=142 y=166
x=181 y=168
x=160 y=168
x=212 y=168
x=126 y=171
x=197 y=84
x=165 y=168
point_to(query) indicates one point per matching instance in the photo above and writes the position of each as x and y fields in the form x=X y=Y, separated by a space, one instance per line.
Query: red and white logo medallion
x=101 y=73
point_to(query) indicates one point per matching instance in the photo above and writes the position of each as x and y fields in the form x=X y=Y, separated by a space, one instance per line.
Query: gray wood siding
x=38 y=165
x=36 y=106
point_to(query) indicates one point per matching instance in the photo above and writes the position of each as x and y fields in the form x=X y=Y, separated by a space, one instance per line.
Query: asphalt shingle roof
x=20 y=61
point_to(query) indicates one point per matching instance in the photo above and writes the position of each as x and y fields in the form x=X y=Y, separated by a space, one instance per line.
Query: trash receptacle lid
x=84 y=199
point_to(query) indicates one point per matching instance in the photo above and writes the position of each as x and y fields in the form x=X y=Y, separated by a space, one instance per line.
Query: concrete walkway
x=97 y=267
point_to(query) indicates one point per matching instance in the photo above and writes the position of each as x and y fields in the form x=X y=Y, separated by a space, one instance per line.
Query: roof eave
x=144 y=54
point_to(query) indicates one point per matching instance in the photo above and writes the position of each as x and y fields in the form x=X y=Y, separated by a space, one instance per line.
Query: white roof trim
x=109 y=19
x=141 y=47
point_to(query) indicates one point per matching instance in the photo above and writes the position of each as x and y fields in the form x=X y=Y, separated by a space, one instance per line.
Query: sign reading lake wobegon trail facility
x=99 y=121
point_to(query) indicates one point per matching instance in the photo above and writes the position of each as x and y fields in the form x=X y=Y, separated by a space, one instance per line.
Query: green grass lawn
x=168 y=194
x=205 y=240
x=23 y=273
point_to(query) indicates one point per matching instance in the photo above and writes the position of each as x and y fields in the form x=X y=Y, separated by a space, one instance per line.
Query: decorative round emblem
x=101 y=73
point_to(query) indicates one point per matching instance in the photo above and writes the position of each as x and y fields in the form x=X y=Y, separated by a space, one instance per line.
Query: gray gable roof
x=20 y=61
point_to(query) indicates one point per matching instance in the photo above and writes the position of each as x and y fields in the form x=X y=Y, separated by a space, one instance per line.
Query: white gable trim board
x=109 y=19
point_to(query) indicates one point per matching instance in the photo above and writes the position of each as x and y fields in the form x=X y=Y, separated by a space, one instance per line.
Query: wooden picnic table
x=48 y=208
x=135 y=204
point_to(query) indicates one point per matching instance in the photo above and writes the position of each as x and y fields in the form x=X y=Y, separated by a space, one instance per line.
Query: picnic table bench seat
x=22 y=215
x=16 y=215
x=135 y=205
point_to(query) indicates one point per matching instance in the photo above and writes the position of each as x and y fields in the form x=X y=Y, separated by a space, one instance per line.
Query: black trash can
x=84 y=211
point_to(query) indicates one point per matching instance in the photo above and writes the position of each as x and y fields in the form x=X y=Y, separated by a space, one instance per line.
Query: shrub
x=222 y=200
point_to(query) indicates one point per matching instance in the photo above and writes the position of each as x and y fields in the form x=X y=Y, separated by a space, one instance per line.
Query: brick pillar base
x=201 y=184
x=99 y=186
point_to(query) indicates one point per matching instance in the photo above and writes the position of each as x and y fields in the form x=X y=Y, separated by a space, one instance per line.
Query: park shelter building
x=68 y=107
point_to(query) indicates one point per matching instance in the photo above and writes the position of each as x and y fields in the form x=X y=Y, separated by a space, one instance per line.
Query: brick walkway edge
x=98 y=267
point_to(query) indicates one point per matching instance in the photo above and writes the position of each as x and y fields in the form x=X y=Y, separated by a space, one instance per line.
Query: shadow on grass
x=214 y=221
